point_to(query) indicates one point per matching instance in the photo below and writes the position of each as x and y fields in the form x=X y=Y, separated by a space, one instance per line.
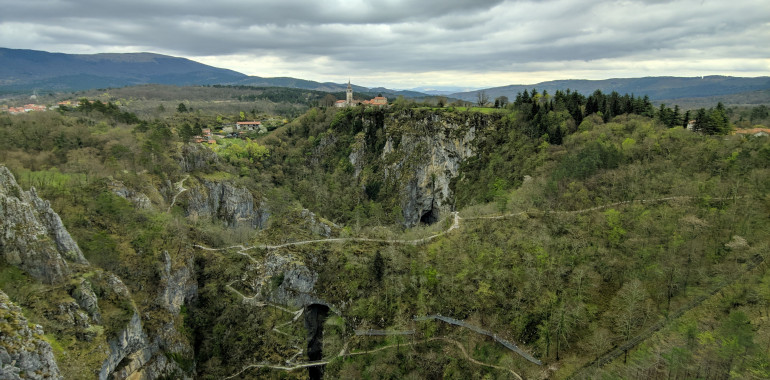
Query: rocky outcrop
x=23 y=352
x=86 y=298
x=317 y=226
x=236 y=206
x=422 y=154
x=178 y=284
x=283 y=279
x=197 y=157
x=131 y=341
x=132 y=354
x=32 y=235
x=138 y=199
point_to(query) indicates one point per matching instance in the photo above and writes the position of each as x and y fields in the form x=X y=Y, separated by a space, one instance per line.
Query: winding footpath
x=455 y=225
x=181 y=189
x=243 y=250
x=343 y=354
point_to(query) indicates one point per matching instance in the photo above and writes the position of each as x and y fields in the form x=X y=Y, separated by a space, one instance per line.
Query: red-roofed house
x=248 y=125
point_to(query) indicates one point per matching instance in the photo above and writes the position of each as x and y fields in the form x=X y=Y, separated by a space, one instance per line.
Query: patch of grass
x=57 y=347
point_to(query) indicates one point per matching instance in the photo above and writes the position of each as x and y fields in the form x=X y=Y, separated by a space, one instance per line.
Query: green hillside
x=558 y=236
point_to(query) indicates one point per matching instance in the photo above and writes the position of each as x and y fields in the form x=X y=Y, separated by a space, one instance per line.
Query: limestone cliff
x=23 y=352
x=196 y=157
x=32 y=236
x=235 y=205
x=422 y=152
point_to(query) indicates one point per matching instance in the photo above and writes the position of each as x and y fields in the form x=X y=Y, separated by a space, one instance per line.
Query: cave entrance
x=315 y=316
x=429 y=216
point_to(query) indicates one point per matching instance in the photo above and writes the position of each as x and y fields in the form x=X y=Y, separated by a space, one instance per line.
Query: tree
x=501 y=101
x=482 y=98
x=328 y=101
x=377 y=269
x=181 y=108
x=759 y=113
x=630 y=309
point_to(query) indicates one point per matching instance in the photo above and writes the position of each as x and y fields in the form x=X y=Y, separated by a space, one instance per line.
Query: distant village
x=237 y=130
x=350 y=102
x=32 y=107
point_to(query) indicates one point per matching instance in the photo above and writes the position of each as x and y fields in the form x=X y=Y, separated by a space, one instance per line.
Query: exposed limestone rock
x=285 y=280
x=23 y=352
x=138 y=199
x=178 y=284
x=222 y=200
x=317 y=227
x=32 y=234
x=357 y=153
x=430 y=151
x=197 y=157
x=134 y=355
x=129 y=341
x=87 y=300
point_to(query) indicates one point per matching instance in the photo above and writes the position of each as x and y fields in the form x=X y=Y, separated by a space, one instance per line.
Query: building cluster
x=237 y=130
x=23 y=109
x=32 y=107
x=350 y=102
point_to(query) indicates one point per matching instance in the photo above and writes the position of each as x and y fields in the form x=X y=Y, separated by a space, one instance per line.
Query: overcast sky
x=405 y=44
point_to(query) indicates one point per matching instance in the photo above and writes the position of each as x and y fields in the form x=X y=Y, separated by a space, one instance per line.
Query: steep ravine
x=315 y=316
x=90 y=310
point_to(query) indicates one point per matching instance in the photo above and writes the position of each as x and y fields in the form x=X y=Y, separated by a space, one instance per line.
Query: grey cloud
x=407 y=36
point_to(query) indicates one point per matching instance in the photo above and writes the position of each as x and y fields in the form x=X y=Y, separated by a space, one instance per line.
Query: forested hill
x=29 y=69
x=657 y=88
x=23 y=71
x=557 y=236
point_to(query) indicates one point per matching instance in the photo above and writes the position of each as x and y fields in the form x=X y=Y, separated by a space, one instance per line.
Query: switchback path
x=242 y=250
x=179 y=185
x=367 y=352
x=455 y=225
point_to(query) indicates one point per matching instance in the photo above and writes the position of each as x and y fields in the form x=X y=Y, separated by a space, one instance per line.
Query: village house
x=248 y=125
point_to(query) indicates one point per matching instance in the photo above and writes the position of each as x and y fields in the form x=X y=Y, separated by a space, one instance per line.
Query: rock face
x=139 y=200
x=283 y=279
x=196 y=157
x=86 y=299
x=179 y=284
x=223 y=200
x=23 y=354
x=32 y=235
x=316 y=226
x=131 y=341
x=423 y=151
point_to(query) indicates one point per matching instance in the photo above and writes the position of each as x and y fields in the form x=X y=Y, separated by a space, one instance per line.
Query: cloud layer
x=406 y=43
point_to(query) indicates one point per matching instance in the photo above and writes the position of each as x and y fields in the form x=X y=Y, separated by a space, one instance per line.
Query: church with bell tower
x=349 y=98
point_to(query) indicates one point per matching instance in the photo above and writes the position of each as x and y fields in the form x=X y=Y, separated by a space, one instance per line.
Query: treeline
x=107 y=109
x=545 y=112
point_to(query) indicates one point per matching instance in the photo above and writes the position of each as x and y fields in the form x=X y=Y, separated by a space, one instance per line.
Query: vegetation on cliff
x=605 y=241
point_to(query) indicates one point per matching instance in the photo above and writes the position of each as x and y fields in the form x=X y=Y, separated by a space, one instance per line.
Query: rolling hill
x=24 y=71
x=657 y=88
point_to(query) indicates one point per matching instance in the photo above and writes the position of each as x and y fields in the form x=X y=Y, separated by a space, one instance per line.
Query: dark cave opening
x=429 y=216
x=315 y=316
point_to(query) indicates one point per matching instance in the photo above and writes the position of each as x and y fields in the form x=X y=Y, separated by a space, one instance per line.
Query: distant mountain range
x=657 y=88
x=25 y=71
